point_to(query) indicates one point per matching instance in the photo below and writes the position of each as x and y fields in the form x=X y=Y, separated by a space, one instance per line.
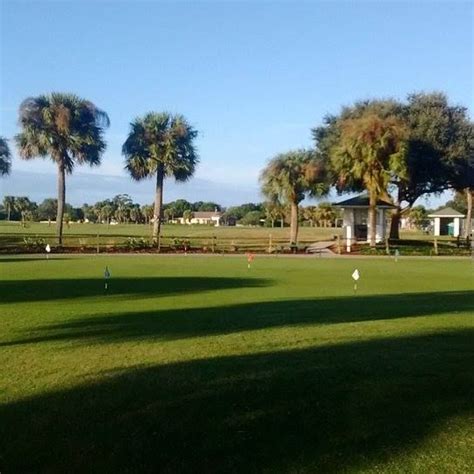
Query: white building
x=206 y=218
x=355 y=220
x=447 y=221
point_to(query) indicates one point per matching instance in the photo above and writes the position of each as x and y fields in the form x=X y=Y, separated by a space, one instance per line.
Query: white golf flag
x=356 y=275
x=48 y=248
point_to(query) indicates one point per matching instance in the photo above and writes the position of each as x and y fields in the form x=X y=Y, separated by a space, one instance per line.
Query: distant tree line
x=122 y=210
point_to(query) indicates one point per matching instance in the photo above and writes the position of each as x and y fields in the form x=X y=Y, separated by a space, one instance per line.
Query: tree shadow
x=329 y=409
x=13 y=291
x=38 y=258
x=174 y=324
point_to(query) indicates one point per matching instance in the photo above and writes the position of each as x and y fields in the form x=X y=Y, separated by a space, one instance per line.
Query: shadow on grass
x=329 y=409
x=220 y=320
x=12 y=291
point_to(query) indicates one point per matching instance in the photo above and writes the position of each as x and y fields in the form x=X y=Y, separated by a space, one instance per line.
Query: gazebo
x=355 y=219
x=446 y=221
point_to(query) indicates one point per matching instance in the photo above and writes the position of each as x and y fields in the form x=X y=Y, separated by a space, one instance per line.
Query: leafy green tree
x=438 y=142
x=418 y=216
x=238 y=212
x=179 y=206
x=459 y=202
x=436 y=136
x=5 y=157
x=160 y=145
x=88 y=213
x=48 y=209
x=252 y=218
x=461 y=174
x=290 y=177
x=371 y=149
x=66 y=128
x=201 y=206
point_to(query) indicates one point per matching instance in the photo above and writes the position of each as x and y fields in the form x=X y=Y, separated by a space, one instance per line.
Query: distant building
x=356 y=219
x=447 y=221
x=205 y=218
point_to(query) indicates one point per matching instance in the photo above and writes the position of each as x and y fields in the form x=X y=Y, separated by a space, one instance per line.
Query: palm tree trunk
x=468 y=226
x=372 y=219
x=294 y=224
x=158 y=203
x=61 y=201
x=9 y=211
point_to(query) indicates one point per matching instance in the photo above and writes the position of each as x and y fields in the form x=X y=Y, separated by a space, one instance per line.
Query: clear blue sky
x=253 y=77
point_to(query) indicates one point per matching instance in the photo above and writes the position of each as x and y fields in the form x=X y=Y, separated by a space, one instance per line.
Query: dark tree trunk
x=61 y=201
x=468 y=226
x=372 y=219
x=294 y=224
x=158 y=203
x=395 y=223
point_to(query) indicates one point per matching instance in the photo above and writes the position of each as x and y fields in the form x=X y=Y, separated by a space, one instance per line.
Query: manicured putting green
x=197 y=364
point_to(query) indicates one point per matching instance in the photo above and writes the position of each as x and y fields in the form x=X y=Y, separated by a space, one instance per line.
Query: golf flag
x=355 y=277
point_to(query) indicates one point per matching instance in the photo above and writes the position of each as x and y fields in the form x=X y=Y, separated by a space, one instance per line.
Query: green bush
x=137 y=243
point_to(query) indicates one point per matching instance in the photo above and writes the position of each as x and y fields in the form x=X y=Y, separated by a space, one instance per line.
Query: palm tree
x=188 y=215
x=25 y=207
x=147 y=212
x=9 y=204
x=160 y=145
x=371 y=149
x=66 y=128
x=290 y=177
x=5 y=157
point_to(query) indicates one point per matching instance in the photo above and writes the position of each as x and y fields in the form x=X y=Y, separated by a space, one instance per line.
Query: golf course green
x=199 y=364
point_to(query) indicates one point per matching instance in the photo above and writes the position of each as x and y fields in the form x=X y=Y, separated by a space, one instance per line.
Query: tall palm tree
x=371 y=149
x=290 y=177
x=5 y=157
x=160 y=145
x=9 y=204
x=66 y=128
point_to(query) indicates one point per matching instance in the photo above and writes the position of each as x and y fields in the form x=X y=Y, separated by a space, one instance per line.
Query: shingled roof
x=446 y=212
x=363 y=201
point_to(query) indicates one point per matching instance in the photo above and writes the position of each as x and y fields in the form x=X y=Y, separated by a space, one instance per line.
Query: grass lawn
x=196 y=364
x=87 y=235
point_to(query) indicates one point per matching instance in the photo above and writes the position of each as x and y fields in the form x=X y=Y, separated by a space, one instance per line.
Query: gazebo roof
x=362 y=201
x=446 y=212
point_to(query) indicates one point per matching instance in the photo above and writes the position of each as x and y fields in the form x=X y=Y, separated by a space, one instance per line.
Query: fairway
x=198 y=364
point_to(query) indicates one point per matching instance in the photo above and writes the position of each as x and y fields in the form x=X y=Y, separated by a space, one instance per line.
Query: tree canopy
x=160 y=145
x=66 y=128
x=290 y=177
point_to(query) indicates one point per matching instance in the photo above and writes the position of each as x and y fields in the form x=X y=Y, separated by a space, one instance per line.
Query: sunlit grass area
x=200 y=364
x=13 y=234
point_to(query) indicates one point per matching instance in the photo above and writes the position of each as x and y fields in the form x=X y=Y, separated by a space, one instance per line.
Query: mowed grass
x=197 y=364
x=88 y=235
